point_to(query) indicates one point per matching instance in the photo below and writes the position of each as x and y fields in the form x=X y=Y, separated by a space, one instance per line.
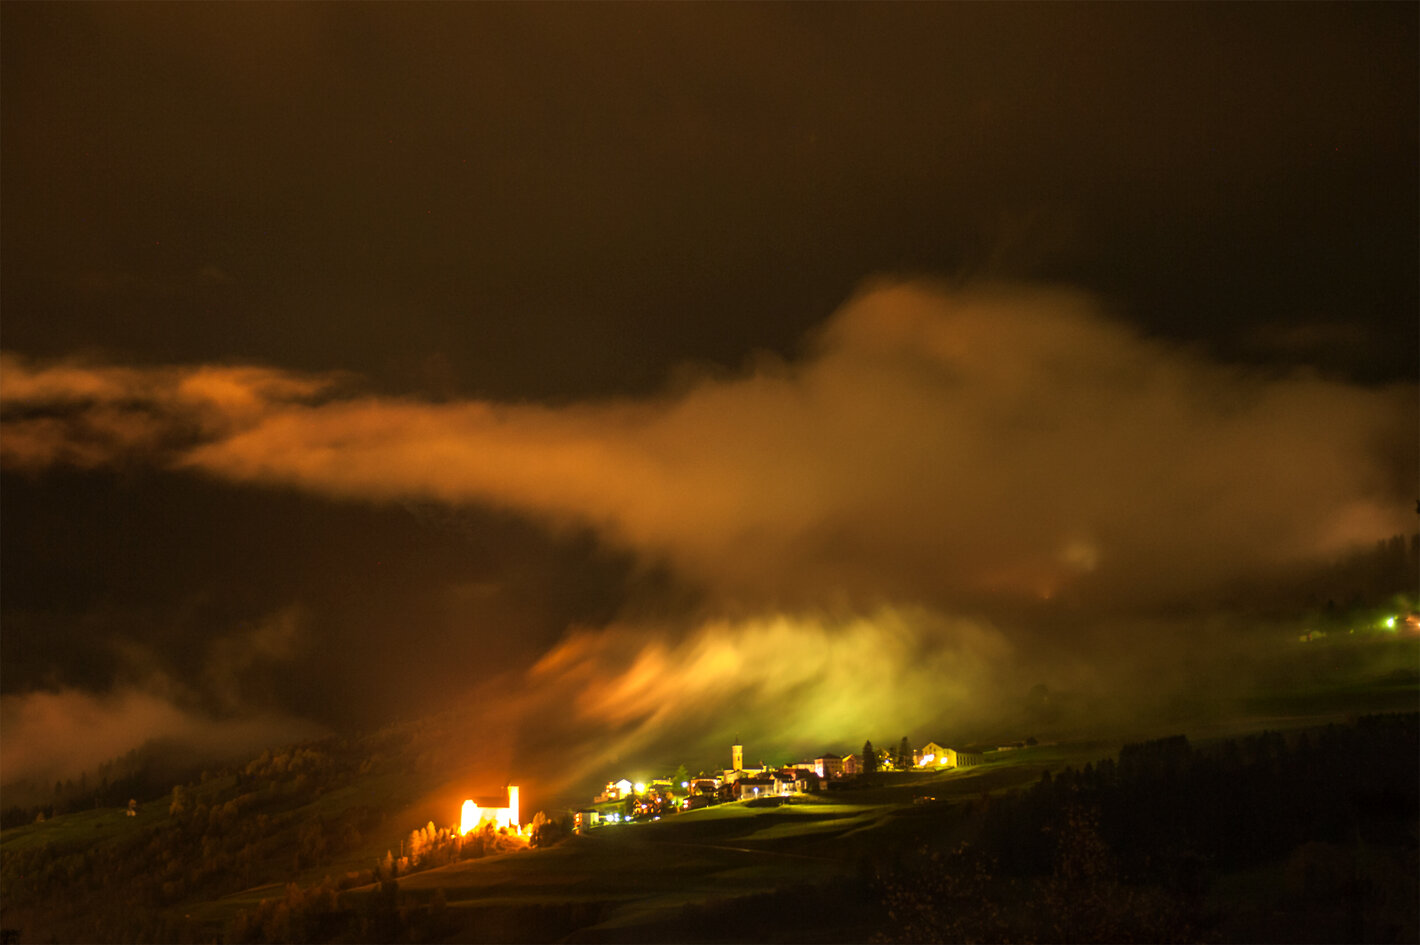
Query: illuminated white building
x=474 y=816
x=937 y=756
x=615 y=791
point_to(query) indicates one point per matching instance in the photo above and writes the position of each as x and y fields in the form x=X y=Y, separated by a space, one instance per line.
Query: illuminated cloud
x=930 y=444
x=788 y=683
x=931 y=453
x=97 y=727
x=228 y=716
x=91 y=415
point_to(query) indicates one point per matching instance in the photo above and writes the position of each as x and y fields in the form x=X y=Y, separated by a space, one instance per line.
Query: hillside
x=1264 y=836
x=232 y=835
x=1305 y=837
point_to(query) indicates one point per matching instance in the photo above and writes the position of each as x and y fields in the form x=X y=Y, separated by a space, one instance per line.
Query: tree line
x=230 y=830
x=1126 y=850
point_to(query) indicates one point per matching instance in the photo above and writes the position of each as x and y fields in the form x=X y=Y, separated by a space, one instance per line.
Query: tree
x=904 y=754
x=870 y=758
x=178 y=807
x=546 y=831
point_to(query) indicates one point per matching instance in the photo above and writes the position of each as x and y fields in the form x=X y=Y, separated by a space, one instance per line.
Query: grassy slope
x=642 y=876
x=632 y=880
x=628 y=876
x=87 y=827
x=403 y=798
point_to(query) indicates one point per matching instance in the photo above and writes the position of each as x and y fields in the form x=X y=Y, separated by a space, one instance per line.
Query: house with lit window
x=755 y=786
x=930 y=755
x=805 y=776
x=615 y=791
x=704 y=786
x=933 y=755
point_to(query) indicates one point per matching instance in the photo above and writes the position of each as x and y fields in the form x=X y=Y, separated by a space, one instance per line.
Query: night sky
x=811 y=371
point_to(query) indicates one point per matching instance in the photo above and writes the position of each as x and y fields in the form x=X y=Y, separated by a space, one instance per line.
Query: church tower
x=737 y=755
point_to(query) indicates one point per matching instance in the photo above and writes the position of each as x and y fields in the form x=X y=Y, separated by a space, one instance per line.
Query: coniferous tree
x=904 y=754
x=870 y=758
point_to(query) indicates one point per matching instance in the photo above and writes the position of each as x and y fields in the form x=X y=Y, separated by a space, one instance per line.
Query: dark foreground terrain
x=1263 y=838
x=1294 y=817
x=1307 y=836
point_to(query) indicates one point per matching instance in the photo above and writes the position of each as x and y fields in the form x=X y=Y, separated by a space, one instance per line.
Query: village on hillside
x=625 y=800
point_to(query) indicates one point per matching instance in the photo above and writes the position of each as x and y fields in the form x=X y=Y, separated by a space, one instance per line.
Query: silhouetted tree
x=546 y=831
x=870 y=758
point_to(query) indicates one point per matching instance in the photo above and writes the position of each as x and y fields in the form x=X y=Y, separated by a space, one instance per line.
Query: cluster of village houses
x=740 y=783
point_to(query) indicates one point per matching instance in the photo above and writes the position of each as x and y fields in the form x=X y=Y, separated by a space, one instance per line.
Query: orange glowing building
x=475 y=815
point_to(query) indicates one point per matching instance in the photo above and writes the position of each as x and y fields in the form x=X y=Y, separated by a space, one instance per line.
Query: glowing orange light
x=472 y=816
x=469 y=817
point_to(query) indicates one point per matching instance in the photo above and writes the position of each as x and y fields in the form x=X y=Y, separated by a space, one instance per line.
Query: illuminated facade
x=932 y=755
x=474 y=816
x=615 y=791
x=758 y=786
x=705 y=786
x=938 y=756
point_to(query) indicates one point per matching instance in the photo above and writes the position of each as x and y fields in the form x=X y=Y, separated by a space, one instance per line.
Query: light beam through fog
x=790 y=683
